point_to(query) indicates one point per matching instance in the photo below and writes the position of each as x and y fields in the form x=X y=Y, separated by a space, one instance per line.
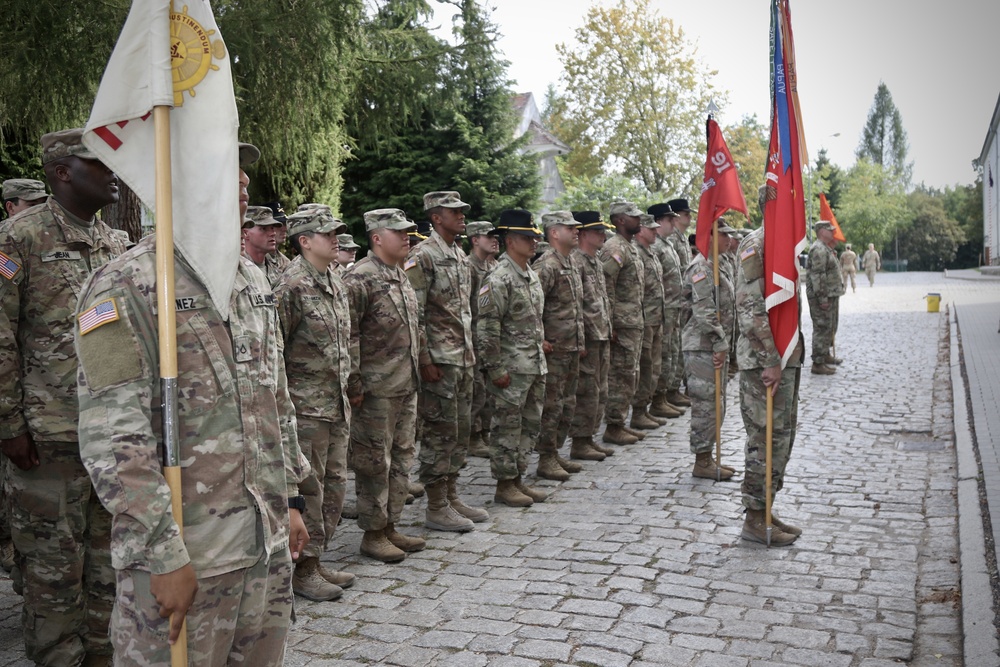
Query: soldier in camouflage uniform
x=824 y=287
x=668 y=383
x=485 y=246
x=280 y=260
x=681 y=245
x=439 y=271
x=58 y=525
x=386 y=339
x=345 y=256
x=511 y=335
x=260 y=243
x=651 y=356
x=849 y=267
x=242 y=464
x=871 y=263
x=316 y=324
x=20 y=194
x=562 y=321
x=623 y=272
x=760 y=372
x=705 y=343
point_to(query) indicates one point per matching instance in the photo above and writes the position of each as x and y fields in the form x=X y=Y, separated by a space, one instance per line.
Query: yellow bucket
x=933 y=302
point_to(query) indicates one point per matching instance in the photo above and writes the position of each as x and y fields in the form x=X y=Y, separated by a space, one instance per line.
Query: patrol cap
x=624 y=208
x=518 y=221
x=23 y=188
x=261 y=216
x=314 y=220
x=65 y=143
x=277 y=211
x=648 y=221
x=248 y=154
x=554 y=218
x=849 y=246
x=589 y=219
x=123 y=235
x=823 y=224
x=724 y=228
x=421 y=229
x=445 y=198
x=347 y=242
x=309 y=207
x=247 y=223
x=660 y=210
x=679 y=206
x=479 y=228
x=387 y=218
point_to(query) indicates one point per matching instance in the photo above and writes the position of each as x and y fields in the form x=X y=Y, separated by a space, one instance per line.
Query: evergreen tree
x=830 y=178
x=883 y=139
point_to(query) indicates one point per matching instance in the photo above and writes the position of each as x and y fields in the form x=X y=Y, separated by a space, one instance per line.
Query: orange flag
x=826 y=213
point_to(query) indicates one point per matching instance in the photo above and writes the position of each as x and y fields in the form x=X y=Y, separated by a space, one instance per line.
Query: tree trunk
x=126 y=214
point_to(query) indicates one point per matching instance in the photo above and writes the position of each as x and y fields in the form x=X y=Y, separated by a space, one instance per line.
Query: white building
x=988 y=164
x=542 y=144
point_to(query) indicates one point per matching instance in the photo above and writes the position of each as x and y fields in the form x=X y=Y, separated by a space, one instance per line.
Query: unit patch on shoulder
x=484 y=295
x=98 y=315
x=410 y=263
x=698 y=277
x=8 y=267
x=748 y=253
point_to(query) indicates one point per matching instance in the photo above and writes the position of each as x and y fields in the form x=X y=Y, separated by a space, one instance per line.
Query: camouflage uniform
x=316 y=323
x=755 y=352
x=440 y=277
x=592 y=389
x=237 y=443
x=673 y=302
x=824 y=286
x=849 y=268
x=623 y=271
x=709 y=330
x=651 y=356
x=510 y=332
x=57 y=523
x=562 y=321
x=682 y=248
x=481 y=413
x=386 y=339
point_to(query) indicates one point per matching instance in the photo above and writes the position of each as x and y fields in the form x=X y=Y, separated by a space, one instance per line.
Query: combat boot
x=415 y=489
x=616 y=434
x=350 y=511
x=7 y=556
x=440 y=514
x=678 y=399
x=755 y=530
x=536 y=495
x=569 y=466
x=636 y=433
x=473 y=514
x=607 y=451
x=508 y=494
x=791 y=530
x=831 y=360
x=96 y=660
x=659 y=420
x=406 y=543
x=376 y=545
x=478 y=446
x=705 y=467
x=822 y=369
x=582 y=450
x=337 y=577
x=307 y=582
x=549 y=468
x=661 y=408
x=640 y=420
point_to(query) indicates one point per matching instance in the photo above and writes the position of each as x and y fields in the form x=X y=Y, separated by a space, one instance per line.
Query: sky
x=930 y=54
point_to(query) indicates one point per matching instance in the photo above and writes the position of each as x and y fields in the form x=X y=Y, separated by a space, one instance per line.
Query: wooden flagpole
x=167 y=323
x=718 y=371
x=769 y=437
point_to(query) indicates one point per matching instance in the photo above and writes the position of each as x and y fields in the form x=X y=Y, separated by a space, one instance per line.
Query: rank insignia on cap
x=749 y=252
x=410 y=263
x=698 y=277
x=8 y=267
x=104 y=312
x=617 y=258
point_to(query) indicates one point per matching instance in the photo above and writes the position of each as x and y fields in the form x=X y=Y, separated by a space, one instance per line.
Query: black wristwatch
x=297 y=503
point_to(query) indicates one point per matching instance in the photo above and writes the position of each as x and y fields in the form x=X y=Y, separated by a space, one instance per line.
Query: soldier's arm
x=420 y=272
x=289 y=308
x=817 y=266
x=612 y=269
x=751 y=313
x=12 y=422
x=492 y=306
x=704 y=311
x=296 y=464
x=357 y=299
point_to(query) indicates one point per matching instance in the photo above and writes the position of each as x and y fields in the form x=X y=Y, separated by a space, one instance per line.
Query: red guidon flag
x=720 y=191
x=176 y=58
x=784 y=208
x=826 y=213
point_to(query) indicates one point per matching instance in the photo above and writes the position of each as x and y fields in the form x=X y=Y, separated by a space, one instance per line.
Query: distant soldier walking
x=849 y=267
x=871 y=263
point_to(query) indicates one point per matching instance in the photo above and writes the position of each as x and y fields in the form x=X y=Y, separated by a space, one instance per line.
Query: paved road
x=634 y=562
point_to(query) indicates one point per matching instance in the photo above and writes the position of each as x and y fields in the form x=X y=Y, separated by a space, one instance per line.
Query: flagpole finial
x=712 y=108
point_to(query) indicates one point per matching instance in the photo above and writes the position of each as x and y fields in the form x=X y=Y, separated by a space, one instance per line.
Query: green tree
x=883 y=139
x=931 y=239
x=635 y=98
x=829 y=178
x=748 y=141
x=584 y=193
x=964 y=203
x=872 y=207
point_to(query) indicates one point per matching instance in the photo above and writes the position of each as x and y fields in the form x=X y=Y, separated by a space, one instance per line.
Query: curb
x=980 y=645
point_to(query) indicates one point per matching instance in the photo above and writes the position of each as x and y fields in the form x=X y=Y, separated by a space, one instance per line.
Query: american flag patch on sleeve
x=98 y=315
x=8 y=267
x=698 y=277
x=749 y=252
x=410 y=263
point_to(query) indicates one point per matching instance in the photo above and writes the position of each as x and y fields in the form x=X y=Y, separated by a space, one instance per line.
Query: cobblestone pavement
x=634 y=562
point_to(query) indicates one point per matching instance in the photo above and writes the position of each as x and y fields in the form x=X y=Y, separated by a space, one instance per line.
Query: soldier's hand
x=824 y=306
x=614 y=337
x=174 y=592
x=431 y=373
x=298 y=536
x=356 y=401
x=771 y=377
x=21 y=451
x=583 y=352
x=719 y=358
x=502 y=382
x=546 y=347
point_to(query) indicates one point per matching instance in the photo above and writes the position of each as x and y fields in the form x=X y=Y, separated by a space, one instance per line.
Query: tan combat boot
x=831 y=360
x=415 y=489
x=308 y=583
x=659 y=420
x=678 y=399
x=569 y=466
x=583 y=450
x=705 y=467
x=639 y=435
x=375 y=545
x=607 y=451
x=536 y=495
x=406 y=543
x=662 y=408
x=791 y=530
x=616 y=434
x=755 y=530
x=822 y=369
x=440 y=514
x=549 y=468
x=478 y=446
x=640 y=420
x=473 y=514
x=337 y=577
x=508 y=494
